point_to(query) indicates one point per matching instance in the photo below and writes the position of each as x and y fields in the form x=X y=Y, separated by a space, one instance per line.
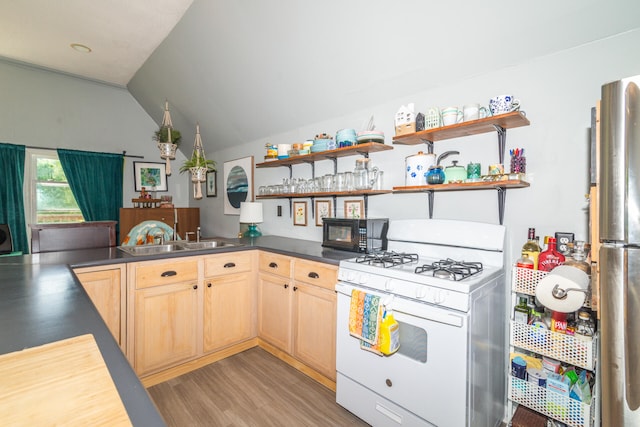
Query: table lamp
x=251 y=213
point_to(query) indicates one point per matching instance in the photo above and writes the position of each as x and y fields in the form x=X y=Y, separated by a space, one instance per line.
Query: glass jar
x=361 y=175
x=585 y=326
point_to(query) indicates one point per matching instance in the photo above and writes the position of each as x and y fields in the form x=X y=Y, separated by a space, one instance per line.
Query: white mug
x=474 y=112
x=502 y=104
x=451 y=116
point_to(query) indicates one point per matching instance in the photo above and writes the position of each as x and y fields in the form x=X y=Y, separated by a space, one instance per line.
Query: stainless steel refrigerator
x=619 y=191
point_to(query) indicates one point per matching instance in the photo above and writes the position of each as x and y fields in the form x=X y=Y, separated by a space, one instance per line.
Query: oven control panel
x=415 y=291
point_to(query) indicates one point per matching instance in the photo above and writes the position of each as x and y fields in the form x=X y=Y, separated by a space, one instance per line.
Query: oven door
x=427 y=377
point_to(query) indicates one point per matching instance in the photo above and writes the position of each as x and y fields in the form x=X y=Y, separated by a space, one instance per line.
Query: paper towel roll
x=565 y=278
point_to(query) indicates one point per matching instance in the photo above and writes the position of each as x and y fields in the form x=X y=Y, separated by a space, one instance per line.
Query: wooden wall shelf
x=474 y=127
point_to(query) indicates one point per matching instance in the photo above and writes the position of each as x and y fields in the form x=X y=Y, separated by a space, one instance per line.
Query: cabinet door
x=166 y=326
x=105 y=287
x=229 y=307
x=314 y=312
x=274 y=319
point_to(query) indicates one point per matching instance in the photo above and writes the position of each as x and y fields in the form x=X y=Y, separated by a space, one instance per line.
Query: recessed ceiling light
x=80 y=47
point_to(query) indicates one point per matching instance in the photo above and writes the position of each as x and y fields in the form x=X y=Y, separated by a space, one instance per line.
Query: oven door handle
x=414 y=309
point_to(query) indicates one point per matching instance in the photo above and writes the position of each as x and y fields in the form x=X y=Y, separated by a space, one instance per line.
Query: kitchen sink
x=208 y=244
x=174 y=247
x=151 y=249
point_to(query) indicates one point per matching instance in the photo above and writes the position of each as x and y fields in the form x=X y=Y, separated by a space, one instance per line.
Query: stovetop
x=381 y=271
x=439 y=262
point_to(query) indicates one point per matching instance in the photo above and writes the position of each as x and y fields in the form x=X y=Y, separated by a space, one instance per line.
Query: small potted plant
x=198 y=165
x=167 y=138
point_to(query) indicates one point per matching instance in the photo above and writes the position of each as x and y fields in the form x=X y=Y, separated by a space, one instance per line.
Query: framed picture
x=212 y=185
x=151 y=176
x=238 y=184
x=353 y=209
x=323 y=210
x=300 y=213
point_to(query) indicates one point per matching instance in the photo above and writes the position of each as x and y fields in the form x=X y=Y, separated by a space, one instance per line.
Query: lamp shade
x=251 y=212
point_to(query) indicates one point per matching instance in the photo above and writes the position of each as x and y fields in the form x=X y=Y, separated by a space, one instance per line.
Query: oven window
x=339 y=234
x=413 y=342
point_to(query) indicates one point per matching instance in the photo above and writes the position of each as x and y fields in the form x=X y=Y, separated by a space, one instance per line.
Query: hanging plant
x=167 y=139
x=162 y=135
x=198 y=166
x=198 y=162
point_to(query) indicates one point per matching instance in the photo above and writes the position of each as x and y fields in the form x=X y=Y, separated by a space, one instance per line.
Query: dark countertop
x=42 y=302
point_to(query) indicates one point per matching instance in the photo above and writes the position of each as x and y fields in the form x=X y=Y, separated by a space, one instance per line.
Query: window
x=50 y=197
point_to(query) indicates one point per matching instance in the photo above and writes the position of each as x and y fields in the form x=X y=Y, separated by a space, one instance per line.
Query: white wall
x=52 y=110
x=557 y=92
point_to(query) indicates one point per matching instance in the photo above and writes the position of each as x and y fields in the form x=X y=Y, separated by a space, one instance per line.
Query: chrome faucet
x=161 y=236
x=198 y=234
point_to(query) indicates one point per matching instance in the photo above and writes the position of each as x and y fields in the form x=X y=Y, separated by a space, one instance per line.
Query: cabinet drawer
x=275 y=264
x=164 y=272
x=316 y=273
x=229 y=263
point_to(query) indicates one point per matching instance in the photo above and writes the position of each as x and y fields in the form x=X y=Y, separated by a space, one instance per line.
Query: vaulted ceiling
x=249 y=69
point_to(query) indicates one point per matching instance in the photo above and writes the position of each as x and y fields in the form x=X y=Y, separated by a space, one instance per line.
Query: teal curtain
x=96 y=182
x=12 y=193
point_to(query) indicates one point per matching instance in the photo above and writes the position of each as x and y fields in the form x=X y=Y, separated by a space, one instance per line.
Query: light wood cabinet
x=229 y=300
x=275 y=302
x=314 y=316
x=298 y=310
x=166 y=326
x=186 y=312
x=106 y=286
x=188 y=219
x=165 y=313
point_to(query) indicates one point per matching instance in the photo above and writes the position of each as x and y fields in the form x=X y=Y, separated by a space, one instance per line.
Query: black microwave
x=355 y=235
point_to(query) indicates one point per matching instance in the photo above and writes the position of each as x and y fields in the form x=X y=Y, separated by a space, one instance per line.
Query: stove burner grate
x=387 y=259
x=450 y=269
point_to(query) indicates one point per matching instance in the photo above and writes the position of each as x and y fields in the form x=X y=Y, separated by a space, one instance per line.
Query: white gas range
x=447 y=280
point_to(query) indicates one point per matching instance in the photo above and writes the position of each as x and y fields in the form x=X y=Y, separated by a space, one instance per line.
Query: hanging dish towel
x=365 y=315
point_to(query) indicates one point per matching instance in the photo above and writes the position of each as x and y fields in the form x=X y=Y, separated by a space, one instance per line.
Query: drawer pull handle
x=208 y=285
x=195 y=286
x=286 y=286
x=313 y=275
x=230 y=265
x=273 y=265
x=295 y=288
x=168 y=273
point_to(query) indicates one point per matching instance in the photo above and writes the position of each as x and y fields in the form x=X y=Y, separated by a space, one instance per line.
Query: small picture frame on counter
x=354 y=209
x=300 y=213
x=323 y=210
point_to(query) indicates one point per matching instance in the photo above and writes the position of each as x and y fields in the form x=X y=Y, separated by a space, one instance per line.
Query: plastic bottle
x=389 y=334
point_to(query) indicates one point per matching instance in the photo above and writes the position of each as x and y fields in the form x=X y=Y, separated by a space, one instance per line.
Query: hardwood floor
x=252 y=388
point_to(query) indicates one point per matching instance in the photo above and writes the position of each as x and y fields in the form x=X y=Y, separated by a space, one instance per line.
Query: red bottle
x=550 y=258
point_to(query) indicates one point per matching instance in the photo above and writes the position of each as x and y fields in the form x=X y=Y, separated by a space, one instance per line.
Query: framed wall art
x=353 y=209
x=212 y=184
x=151 y=176
x=238 y=184
x=323 y=210
x=300 y=213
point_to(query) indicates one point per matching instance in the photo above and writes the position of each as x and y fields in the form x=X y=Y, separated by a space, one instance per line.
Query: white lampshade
x=251 y=212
